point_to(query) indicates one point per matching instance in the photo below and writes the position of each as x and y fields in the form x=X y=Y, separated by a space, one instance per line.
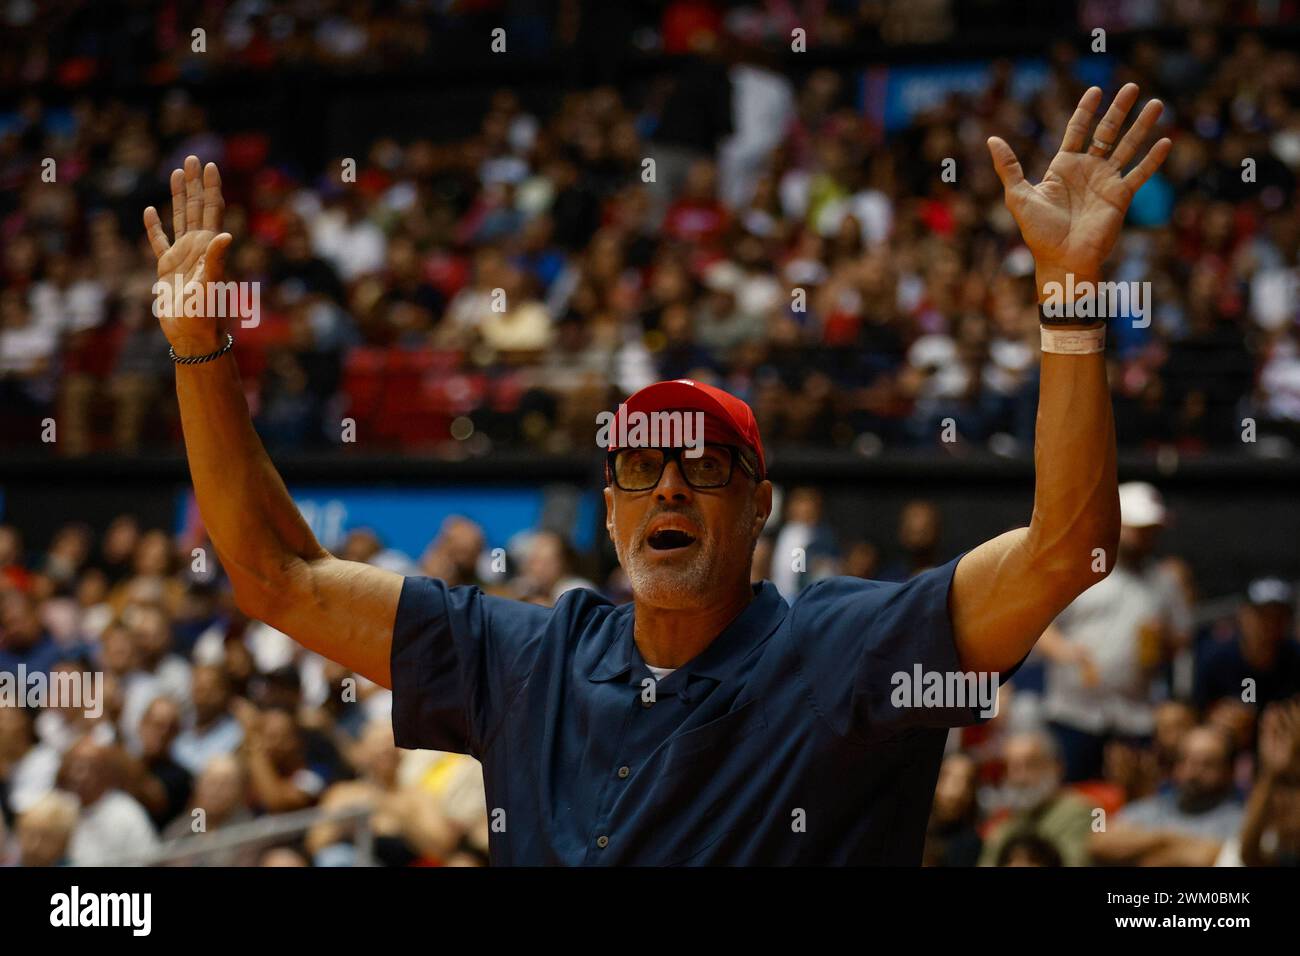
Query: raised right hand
x=197 y=254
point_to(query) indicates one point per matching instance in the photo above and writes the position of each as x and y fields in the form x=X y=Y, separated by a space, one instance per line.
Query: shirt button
x=623 y=772
x=602 y=841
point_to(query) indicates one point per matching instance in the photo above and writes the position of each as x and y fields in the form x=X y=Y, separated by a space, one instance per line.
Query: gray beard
x=695 y=582
x=667 y=585
x=1027 y=798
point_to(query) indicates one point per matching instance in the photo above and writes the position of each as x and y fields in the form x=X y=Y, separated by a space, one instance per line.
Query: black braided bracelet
x=1050 y=320
x=199 y=359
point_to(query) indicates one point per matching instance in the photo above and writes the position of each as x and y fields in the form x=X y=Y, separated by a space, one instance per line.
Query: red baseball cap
x=727 y=419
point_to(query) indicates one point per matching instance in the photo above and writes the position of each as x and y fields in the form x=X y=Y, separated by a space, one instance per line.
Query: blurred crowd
x=1139 y=732
x=204 y=720
x=77 y=42
x=457 y=295
x=1147 y=726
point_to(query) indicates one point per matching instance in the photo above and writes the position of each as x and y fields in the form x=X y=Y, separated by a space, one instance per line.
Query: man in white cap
x=1104 y=650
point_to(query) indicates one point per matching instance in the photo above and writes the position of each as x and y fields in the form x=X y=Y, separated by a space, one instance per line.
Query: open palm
x=1071 y=219
x=196 y=254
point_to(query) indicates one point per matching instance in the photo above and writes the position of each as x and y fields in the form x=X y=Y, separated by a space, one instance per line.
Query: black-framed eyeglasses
x=639 y=469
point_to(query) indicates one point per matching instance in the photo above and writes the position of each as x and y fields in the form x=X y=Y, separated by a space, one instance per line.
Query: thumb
x=214 y=257
x=1005 y=163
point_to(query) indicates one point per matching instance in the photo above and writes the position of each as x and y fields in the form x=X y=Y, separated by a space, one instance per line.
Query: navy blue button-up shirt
x=778 y=744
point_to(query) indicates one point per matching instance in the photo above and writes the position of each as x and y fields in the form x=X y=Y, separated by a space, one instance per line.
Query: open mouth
x=670 y=539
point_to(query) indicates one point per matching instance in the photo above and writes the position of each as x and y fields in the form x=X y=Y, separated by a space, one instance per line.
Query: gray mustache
x=690 y=514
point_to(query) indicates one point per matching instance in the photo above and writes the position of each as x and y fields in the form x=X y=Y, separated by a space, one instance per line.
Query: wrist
x=1058 y=289
x=1059 y=339
x=198 y=343
x=202 y=357
x=1062 y=283
x=1052 y=319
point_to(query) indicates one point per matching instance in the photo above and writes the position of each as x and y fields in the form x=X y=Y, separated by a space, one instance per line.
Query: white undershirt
x=660 y=672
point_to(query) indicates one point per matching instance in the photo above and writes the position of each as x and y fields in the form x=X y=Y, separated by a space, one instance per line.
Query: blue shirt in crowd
x=40 y=657
x=778 y=744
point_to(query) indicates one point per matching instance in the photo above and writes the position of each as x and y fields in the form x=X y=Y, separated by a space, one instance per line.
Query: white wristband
x=1074 y=341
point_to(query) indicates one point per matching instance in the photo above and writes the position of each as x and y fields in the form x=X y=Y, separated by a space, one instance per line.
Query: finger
x=213 y=204
x=1108 y=129
x=178 y=204
x=1137 y=133
x=154 y=230
x=1076 y=131
x=1005 y=163
x=214 y=257
x=193 y=194
x=1143 y=171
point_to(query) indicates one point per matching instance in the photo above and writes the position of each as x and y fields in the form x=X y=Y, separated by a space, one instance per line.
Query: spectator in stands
x=1261 y=662
x=454 y=554
x=112 y=826
x=861 y=560
x=154 y=778
x=805 y=547
x=322 y=745
x=345 y=237
x=1029 y=849
x=1203 y=805
x=278 y=856
x=28 y=766
x=12 y=571
x=117 y=548
x=151 y=633
x=549 y=569
x=279 y=778
x=1238 y=721
x=1141 y=771
x=220 y=800
x=28 y=354
x=406 y=826
x=362 y=544
x=213 y=730
x=953 y=837
x=1270 y=834
x=1036 y=802
x=1105 y=649
x=23 y=639
x=919 y=528
x=67 y=555
x=45 y=830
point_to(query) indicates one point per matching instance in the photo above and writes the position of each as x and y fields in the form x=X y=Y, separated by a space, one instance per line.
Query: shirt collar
x=750 y=628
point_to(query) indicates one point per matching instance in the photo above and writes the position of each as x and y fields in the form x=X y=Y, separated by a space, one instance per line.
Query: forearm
x=1256 y=815
x=1075 y=526
x=1008 y=590
x=275 y=794
x=1055 y=646
x=1125 y=845
x=1181 y=849
x=342 y=610
x=254 y=524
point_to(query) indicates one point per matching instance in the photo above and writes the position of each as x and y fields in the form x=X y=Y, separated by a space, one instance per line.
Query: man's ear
x=762 y=505
x=609 y=512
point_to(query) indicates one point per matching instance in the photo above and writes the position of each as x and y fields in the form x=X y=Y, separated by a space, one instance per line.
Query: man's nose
x=672 y=484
